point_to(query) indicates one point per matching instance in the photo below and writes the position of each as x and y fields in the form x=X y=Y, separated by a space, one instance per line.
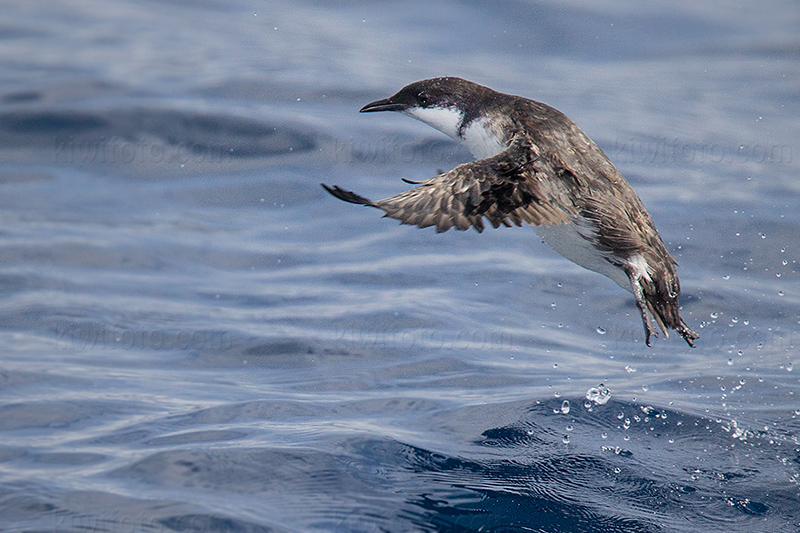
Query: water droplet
x=604 y=435
x=599 y=395
x=569 y=427
x=601 y=331
x=565 y=407
x=630 y=369
x=565 y=440
x=553 y=305
x=789 y=367
x=714 y=315
x=730 y=362
x=780 y=293
x=727 y=276
x=555 y=365
x=645 y=388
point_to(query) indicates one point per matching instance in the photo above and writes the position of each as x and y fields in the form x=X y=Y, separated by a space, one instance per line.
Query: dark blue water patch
x=127 y=135
x=617 y=467
x=281 y=347
x=23 y=96
x=46 y=123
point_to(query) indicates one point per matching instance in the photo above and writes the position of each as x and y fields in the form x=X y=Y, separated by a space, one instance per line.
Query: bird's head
x=446 y=104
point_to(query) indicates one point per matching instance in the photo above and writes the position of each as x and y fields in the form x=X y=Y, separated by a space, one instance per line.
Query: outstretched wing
x=509 y=188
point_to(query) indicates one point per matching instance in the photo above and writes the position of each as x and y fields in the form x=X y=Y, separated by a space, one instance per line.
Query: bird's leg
x=687 y=333
x=638 y=294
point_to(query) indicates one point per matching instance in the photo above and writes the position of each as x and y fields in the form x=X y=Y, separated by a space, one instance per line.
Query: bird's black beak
x=383 y=105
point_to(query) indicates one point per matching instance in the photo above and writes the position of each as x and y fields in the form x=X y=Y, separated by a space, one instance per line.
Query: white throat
x=479 y=136
x=445 y=119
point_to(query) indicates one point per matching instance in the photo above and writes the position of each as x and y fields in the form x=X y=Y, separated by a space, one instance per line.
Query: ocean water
x=196 y=337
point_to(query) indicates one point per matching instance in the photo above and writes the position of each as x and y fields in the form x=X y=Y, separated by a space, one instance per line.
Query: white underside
x=566 y=240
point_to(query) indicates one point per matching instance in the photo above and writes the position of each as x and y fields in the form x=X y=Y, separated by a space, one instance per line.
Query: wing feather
x=508 y=189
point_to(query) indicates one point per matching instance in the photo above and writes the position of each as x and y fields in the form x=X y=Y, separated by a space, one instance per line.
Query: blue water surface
x=196 y=337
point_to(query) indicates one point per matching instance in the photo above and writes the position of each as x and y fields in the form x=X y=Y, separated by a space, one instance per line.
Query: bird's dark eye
x=423 y=98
